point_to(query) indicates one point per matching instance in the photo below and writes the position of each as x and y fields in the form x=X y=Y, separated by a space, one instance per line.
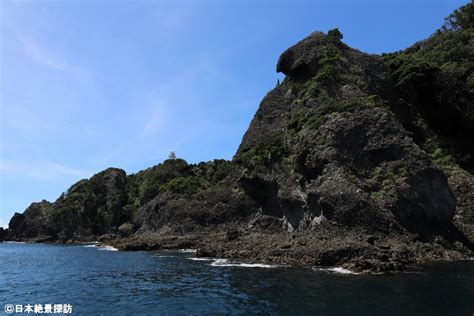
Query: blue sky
x=86 y=85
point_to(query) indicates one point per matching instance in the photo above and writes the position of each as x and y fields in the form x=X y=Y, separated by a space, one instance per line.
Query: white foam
x=108 y=248
x=188 y=250
x=339 y=270
x=89 y=246
x=14 y=242
x=227 y=263
x=201 y=259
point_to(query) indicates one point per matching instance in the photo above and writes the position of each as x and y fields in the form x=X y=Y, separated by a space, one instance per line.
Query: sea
x=95 y=280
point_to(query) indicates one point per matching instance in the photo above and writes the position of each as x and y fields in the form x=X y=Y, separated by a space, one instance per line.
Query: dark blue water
x=98 y=282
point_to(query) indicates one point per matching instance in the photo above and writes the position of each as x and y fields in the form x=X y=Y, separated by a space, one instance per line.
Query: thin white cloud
x=155 y=122
x=41 y=170
x=39 y=54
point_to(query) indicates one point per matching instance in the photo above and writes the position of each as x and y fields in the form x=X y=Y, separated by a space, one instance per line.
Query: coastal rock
x=30 y=224
x=16 y=222
x=126 y=229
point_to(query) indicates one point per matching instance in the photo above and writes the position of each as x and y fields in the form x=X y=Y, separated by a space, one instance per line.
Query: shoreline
x=322 y=260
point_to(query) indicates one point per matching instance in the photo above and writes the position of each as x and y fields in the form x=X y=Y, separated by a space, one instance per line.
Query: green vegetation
x=335 y=35
x=320 y=95
x=87 y=205
x=435 y=77
x=264 y=154
x=434 y=80
x=328 y=74
x=462 y=18
x=385 y=177
x=109 y=198
x=381 y=179
x=313 y=117
x=327 y=77
x=146 y=184
x=443 y=158
x=175 y=176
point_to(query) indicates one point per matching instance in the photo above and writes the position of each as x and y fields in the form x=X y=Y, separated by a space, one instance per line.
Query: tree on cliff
x=335 y=34
x=462 y=18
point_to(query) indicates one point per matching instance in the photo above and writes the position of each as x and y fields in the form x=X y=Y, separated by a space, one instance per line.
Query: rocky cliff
x=354 y=159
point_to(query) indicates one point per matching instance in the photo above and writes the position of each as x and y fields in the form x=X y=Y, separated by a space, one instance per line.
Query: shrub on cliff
x=434 y=79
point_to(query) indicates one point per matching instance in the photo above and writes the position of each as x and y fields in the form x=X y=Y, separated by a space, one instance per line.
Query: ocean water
x=101 y=281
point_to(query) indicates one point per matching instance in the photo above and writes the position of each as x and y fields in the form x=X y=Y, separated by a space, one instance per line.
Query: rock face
x=29 y=224
x=335 y=150
x=340 y=165
x=89 y=208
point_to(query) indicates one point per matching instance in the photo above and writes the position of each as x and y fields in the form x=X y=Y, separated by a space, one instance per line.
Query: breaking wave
x=338 y=270
x=201 y=259
x=187 y=250
x=107 y=248
x=228 y=263
x=99 y=247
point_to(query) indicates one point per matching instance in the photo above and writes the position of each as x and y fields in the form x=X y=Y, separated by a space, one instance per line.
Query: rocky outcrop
x=30 y=223
x=339 y=166
x=336 y=150
x=89 y=208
